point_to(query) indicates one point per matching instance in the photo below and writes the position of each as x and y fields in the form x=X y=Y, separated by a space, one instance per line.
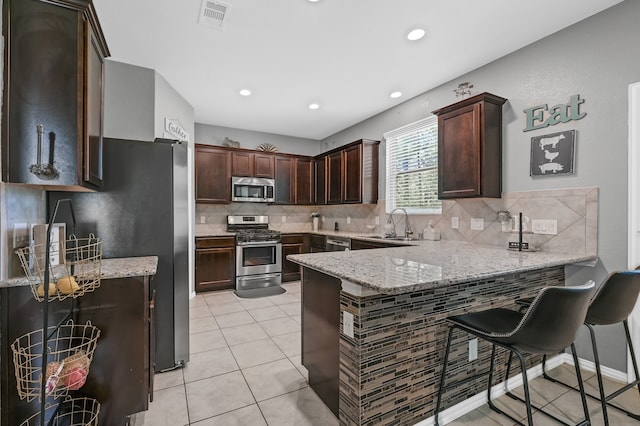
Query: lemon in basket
x=52 y=290
x=67 y=285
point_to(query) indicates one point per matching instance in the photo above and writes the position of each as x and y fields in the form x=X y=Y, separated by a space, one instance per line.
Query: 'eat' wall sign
x=561 y=113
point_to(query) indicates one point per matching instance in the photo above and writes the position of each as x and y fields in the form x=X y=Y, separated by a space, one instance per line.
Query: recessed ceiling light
x=395 y=94
x=313 y=1
x=314 y=106
x=416 y=34
x=245 y=92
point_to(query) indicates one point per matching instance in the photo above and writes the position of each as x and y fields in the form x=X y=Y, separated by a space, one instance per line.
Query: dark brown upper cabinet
x=304 y=182
x=334 y=177
x=470 y=148
x=294 y=179
x=213 y=175
x=285 y=191
x=320 y=178
x=348 y=174
x=252 y=164
x=352 y=173
x=52 y=110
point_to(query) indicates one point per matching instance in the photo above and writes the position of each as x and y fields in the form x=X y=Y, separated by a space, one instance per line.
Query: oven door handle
x=258 y=244
x=258 y=277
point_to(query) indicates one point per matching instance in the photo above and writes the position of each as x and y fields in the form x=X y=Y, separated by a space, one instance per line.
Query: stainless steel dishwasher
x=338 y=243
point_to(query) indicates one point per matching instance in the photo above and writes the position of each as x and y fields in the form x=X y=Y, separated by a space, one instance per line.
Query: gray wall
x=18 y=204
x=170 y=104
x=597 y=59
x=129 y=96
x=214 y=135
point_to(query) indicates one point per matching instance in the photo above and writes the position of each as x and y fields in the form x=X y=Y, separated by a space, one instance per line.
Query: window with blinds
x=412 y=167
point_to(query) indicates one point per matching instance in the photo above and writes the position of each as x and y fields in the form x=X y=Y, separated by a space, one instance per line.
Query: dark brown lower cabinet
x=317 y=243
x=291 y=244
x=122 y=366
x=362 y=245
x=321 y=334
x=121 y=370
x=215 y=263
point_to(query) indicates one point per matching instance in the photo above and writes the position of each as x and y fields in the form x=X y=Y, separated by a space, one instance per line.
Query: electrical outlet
x=348 y=219
x=347 y=323
x=455 y=222
x=20 y=235
x=477 y=224
x=202 y=219
x=546 y=227
x=473 y=349
x=284 y=219
x=377 y=220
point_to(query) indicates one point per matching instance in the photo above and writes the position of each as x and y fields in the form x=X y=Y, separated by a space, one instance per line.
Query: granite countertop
x=429 y=264
x=111 y=268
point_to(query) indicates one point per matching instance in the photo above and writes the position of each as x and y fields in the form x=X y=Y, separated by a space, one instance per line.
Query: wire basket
x=70 y=412
x=78 y=272
x=70 y=350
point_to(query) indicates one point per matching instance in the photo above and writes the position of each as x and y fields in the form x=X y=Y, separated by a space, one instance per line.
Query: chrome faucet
x=407 y=226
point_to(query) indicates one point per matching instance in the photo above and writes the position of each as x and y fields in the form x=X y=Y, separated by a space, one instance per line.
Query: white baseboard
x=607 y=372
x=476 y=401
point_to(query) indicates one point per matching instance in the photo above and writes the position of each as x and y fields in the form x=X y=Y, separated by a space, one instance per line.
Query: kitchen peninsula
x=373 y=321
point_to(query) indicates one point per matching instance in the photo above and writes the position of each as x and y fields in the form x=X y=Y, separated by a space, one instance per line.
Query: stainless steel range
x=258 y=256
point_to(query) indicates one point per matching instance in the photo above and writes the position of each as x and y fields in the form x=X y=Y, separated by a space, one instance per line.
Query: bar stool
x=612 y=304
x=548 y=326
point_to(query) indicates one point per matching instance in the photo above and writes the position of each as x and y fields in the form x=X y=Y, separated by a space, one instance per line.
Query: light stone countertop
x=429 y=264
x=111 y=268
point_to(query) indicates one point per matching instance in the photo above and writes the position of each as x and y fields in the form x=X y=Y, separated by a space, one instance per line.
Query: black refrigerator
x=142 y=210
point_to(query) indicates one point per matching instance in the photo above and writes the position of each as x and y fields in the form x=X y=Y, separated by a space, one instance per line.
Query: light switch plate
x=455 y=222
x=545 y=227
x=284 y=219
x=377 y=220
x=20 y=234
x=348 y=219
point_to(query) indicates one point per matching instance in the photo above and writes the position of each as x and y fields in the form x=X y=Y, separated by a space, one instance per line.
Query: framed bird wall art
x=553 y=154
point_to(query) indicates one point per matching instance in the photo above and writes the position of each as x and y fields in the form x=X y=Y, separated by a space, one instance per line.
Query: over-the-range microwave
x=256 y=190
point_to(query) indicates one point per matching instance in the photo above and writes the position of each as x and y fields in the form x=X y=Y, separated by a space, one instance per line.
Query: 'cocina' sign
x=560 y=113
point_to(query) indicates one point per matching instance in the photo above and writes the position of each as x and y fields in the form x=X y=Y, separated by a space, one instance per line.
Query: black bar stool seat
x=548 y=326
x=613 y=303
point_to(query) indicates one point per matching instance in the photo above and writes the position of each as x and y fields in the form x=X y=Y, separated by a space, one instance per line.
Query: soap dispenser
x=430 y=233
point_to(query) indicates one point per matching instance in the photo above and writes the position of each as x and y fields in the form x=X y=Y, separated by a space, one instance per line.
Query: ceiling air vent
x=214 y=13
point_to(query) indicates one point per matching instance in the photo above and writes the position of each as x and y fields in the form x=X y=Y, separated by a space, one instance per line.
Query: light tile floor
x=245 y=370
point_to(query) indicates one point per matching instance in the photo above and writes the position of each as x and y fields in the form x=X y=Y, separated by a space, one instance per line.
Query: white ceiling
x=346 y=55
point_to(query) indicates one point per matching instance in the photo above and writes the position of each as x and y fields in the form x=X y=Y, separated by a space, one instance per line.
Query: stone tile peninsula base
x=387 y=374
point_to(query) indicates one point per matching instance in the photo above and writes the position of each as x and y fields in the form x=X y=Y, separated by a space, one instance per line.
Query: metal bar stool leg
x=587 y=419
x=634 y=360
x=491 y=367
x=442 y=376
x=525 y=384
x=596 y=359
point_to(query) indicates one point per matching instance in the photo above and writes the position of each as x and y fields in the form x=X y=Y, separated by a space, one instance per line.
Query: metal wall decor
x=541 y=116
x=463 y=89
x=553 y=154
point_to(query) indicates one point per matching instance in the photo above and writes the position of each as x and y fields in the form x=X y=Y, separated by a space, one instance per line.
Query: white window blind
x=412 y=167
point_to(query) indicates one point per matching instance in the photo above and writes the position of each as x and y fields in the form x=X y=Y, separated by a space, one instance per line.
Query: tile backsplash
x=574 y=209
